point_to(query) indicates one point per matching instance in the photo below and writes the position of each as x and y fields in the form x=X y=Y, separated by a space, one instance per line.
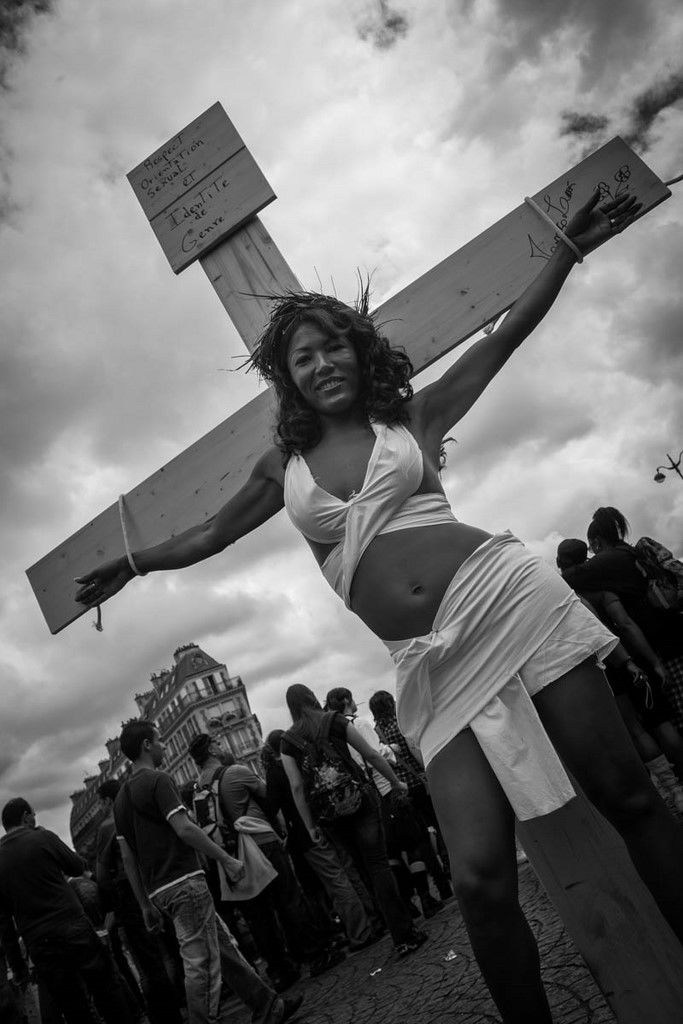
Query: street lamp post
x=660 y=475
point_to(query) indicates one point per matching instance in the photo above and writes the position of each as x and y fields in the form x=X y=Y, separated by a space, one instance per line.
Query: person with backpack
x=409 y=846
x=280 y=907
x=159 y=845
x=617 y=568
x=321 y=859
x=333 y=794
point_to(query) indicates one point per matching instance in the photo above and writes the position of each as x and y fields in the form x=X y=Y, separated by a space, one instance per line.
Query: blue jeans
x=209 y=953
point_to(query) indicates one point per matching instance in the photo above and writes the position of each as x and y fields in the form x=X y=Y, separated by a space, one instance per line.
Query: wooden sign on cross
x=201 y=192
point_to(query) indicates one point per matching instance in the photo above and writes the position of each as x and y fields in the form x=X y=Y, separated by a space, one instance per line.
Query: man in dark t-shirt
x=146 y=949
x=159 y=844
x=35 y=896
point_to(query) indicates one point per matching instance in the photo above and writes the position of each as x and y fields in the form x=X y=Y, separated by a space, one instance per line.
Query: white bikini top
x=385 y=503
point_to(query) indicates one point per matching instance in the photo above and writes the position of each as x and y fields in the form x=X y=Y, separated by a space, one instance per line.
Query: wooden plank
x=613 y=920
x=185 y=160
x=481 y=280
x=188 y=489
x=442 y=308
x=243 y=267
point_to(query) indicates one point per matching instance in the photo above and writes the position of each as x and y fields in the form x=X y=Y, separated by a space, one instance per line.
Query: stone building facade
x=196 y=695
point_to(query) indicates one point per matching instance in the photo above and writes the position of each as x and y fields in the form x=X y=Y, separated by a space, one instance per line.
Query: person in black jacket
x=36 y=899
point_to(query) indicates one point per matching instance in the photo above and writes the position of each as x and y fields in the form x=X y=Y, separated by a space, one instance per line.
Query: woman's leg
x=582 y=720
x=479 y=829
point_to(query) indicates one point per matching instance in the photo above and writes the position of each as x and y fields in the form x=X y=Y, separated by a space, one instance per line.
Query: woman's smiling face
x=324 y=368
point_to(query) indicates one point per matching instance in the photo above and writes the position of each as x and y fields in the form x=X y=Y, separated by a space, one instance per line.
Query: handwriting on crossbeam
x=438 y=311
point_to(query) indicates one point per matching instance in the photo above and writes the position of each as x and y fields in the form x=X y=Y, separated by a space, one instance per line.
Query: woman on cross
x=496 y=658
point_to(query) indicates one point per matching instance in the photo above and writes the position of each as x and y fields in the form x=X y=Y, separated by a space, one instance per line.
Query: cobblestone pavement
x=441 y=982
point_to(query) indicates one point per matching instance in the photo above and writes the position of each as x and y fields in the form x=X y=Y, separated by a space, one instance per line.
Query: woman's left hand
x=593 y=224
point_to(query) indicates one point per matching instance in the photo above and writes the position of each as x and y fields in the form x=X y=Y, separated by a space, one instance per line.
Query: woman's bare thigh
x=475 y=816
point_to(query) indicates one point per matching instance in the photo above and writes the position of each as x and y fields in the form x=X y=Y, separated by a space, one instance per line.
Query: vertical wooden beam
x=613 y=920
x=245 y=266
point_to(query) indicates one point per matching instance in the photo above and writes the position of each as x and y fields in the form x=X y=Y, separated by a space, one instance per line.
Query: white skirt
x=506 y=627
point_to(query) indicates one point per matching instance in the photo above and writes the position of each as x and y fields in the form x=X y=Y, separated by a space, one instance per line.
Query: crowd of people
x=235 y=886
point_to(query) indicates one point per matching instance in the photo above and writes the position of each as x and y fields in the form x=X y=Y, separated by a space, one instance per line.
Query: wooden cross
x=201 y=192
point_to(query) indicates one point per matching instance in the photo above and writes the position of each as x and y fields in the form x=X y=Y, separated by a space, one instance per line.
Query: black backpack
x=333 y=786
x=663 y=573
x=206 y=804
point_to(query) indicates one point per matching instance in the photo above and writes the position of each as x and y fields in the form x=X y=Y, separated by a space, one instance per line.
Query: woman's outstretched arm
x=258 y=500
x=446 y=401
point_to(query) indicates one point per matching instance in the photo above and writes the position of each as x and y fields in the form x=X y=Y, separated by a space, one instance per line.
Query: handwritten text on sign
x=199 y=187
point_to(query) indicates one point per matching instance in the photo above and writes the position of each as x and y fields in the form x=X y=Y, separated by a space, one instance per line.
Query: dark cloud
x=384 y=27
x=647 y=107
x=574 y=123
x=636 y=123
x=15 y=20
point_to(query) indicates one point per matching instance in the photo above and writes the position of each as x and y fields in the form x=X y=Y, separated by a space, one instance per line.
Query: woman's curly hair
x=385 y=372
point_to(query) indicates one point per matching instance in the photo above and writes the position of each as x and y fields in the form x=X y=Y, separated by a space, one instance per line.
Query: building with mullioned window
x=196 y=695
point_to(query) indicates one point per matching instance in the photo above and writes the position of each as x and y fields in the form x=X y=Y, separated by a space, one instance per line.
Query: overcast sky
x=392 y=133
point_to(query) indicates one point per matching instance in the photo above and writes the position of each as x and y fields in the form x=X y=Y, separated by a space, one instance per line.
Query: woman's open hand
x=102 y=583
x=593 y=224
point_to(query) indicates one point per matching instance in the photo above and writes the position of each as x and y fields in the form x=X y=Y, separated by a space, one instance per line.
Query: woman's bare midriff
x=402 y=577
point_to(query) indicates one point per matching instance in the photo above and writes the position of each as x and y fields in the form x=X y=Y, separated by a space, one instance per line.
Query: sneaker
x=282 y=1009
x=430 y=906
x=330 y=958
x=414 y=942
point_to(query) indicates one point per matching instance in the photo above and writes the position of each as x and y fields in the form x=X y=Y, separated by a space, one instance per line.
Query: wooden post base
x=615 y=924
